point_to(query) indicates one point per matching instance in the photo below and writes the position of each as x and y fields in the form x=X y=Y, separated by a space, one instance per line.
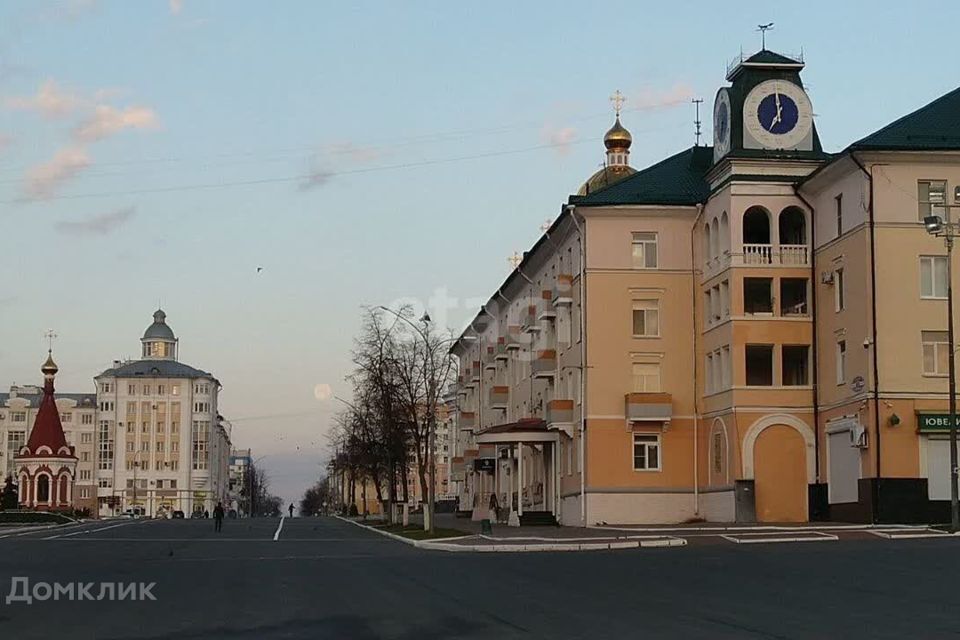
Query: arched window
x=724 y=232
x=63 y=499
x=756 y=236
x=793 y=226
x=715 y=238
x=43 y=488
x=707 y=242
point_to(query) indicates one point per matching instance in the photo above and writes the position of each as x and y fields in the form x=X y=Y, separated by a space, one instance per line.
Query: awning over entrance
x=527 y=430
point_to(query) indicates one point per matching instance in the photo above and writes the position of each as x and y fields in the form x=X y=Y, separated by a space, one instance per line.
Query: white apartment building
x=161 y=443
x=18 y=412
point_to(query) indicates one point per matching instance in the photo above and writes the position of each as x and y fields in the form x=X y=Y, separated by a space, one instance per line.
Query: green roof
x=934 y=127
x=678 y=180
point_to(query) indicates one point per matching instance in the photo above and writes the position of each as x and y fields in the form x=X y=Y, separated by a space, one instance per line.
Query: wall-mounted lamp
x=894 y=419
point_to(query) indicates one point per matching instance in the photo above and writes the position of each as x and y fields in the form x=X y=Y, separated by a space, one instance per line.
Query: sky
x=364 y=153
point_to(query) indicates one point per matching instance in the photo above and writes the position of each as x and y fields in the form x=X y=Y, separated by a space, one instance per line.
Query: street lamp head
x=933 y=224
x=425 y=318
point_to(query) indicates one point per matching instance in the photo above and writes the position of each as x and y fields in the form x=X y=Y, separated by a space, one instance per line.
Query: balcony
x=475 y=371
x=546 y=311
x=468 y=420
x=563 y=290
x=649 y=407
x=758 y=254
x=489 y=359
x=501 y=349
x=513 y=337
x=559 y=412
x=530 y=322
x=498 y=397
x=794 y=255
x=545 y=366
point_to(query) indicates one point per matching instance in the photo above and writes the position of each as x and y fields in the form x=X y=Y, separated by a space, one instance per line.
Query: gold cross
x=617 y=99
x=50 y=336
x=515 y=260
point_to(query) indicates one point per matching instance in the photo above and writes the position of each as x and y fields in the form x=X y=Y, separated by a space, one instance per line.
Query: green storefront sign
x=935 y=422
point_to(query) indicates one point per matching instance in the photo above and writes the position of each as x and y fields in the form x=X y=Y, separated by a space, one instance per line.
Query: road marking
x=91 y=530
x=905 y=535
x=276 y=536
x=755 y=538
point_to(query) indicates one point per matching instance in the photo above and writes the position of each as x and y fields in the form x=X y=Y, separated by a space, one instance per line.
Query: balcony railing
x=649 y=407
x=468 y=420
x=563 y=290
x=530 y=322
x=545 y=366
x=794 y=254
x=513 y=337
x=757 y=254
x=559 y=412
x=501 y=349
x=546 y=310
x=475 y=371
x=498 y=397
x=489 y=358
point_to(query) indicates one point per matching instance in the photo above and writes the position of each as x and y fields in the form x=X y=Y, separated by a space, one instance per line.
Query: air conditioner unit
x=826 y=277
x=858 y=436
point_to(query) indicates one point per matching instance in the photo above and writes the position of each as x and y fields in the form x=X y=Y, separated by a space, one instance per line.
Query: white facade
x=161 y=443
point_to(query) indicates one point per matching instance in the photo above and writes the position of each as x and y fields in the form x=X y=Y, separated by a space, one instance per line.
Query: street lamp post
x=937 y=226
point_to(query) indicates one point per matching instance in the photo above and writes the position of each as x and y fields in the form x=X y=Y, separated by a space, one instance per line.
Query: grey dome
x=159 y=330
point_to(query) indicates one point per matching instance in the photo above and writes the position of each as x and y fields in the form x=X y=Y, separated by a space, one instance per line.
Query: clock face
x=777 y=114
x=721 y=125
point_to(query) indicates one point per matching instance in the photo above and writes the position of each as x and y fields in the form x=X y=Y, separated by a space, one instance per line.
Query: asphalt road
x=322 y=578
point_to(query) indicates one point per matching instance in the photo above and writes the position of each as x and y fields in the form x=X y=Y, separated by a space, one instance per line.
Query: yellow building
x=675 y=346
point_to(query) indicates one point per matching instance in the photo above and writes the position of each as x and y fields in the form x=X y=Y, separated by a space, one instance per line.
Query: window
x=841 y=361
x=160 y=446
x=145 y=446
x=838 y=292
x=936 y=353
x=718 y=453
x=793 y=296
x=644 y=251
x=795 y=363
x=86 y=438
x=174 y=447
x=646 y=318
x=839 y=200
x=725 y=299
x=105 y=445
x=66 y=417
x=131 y=389
x=104 y=483
x=933 y=277
x=173 y=483
x=646 y=378
x=175 y=390
x=85 y=456
x=18 y=416
x=759 y=364
x=105 y=387
x=758 y=296
x=646 y=452
x=709 y=382
x=146 y=389
x=85 y=474
x=174 y=427
x=86 y=418
x=130 y=445
x=145 y=427
x=725 y=367
x=931 y=196
x=130 y=427
x=160 y=427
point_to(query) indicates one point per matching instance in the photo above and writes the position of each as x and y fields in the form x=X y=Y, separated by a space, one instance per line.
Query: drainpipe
x=583 y=367
x=812 y=299
x=696 y=330
x=873 y=305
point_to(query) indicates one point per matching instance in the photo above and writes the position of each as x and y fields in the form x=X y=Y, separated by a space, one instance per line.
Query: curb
x=522 y=548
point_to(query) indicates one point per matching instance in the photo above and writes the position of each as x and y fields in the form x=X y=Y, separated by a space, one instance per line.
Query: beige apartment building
x=752 y=331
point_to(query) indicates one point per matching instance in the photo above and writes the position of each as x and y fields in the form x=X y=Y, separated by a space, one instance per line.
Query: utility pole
x=937 y=226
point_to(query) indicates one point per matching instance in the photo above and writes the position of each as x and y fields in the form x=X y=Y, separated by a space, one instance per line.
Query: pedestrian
x=291 y=509
x=494 y=508
x=218 y=517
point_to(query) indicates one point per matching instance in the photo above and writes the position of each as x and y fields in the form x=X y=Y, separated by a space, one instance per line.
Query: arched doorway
x=780 y=475
x=43 y=488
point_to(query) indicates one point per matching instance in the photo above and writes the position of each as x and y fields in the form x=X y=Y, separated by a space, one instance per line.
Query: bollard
x=485 y=527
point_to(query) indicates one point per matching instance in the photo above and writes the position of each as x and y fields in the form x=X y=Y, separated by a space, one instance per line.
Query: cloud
x=100 y=224
x=50 y=101
x=107 y=120
x=314 y=179
x=43 y=180
x=647 y=98
x=176 y=6
x=560 y=138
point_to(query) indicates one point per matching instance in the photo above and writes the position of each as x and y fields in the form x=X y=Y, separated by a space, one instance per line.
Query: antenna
x=697 y=102
x=763 y=28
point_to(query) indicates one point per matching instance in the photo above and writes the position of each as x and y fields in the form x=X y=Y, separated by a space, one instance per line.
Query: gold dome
x=49 y=367
x=617 y=136
x=605 y=177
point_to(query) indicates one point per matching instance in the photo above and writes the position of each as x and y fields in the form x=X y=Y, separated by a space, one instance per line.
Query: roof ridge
x=901 y=119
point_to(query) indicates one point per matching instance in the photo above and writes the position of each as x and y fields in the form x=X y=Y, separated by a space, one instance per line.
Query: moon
x=322 y=392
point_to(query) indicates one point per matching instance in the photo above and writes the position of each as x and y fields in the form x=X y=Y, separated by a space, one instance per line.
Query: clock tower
x=765 y=111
